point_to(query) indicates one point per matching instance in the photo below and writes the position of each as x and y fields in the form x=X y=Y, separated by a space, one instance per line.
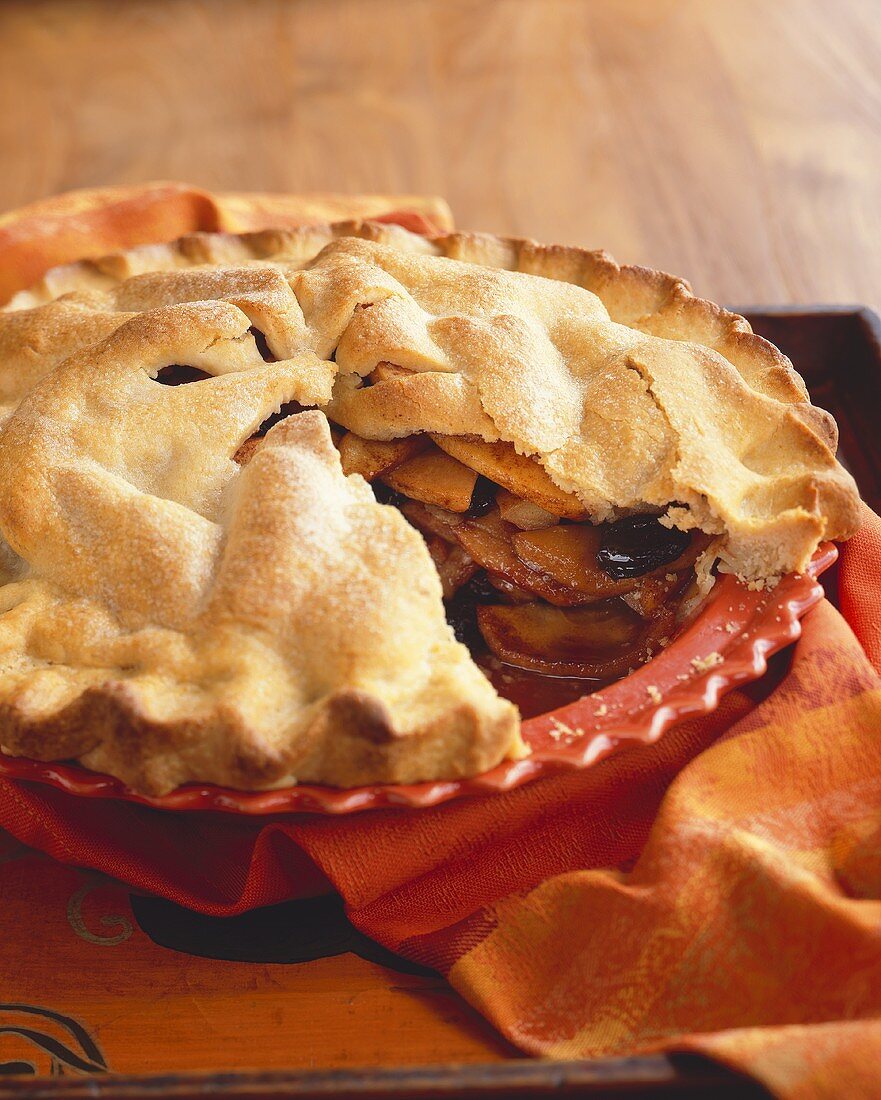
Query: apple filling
x=544 y=599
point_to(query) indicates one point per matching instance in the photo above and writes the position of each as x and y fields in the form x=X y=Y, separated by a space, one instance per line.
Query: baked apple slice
x=431 y=520
x=523 y=513
x=454 y=565
x=247 y=450
x=594 y=642
x=433 y=477
x=488 y=540
x=568 y=553
x=519 y=474
x=384 y=372
x=373 y=457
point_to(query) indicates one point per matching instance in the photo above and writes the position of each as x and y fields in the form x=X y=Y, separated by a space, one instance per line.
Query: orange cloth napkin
x=81 y=224
x=718 y=892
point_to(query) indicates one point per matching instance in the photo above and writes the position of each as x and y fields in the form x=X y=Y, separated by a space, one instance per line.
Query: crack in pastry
x=197 y=582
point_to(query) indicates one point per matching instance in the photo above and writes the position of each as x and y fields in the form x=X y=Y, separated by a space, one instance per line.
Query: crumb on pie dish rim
x=603 y=395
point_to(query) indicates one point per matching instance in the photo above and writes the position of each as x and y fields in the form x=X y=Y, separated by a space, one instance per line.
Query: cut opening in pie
x=550 y=605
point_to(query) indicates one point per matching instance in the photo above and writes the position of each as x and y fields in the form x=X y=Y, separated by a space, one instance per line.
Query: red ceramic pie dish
x=727 y=644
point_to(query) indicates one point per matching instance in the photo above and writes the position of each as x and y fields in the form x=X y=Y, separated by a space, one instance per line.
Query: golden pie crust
x=168 y=614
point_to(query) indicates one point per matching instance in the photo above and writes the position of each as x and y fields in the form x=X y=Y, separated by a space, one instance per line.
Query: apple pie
x=341 y=504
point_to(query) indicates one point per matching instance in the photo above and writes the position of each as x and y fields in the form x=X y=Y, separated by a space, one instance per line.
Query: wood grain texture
x=74 y=945
x=735 y=142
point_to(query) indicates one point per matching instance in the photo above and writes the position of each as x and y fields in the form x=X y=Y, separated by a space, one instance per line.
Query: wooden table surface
x=737 y=142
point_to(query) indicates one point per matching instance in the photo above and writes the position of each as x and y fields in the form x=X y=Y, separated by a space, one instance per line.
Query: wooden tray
x=108 y=995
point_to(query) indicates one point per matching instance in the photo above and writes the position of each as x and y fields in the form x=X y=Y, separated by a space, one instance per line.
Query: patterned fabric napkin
x=718 y=892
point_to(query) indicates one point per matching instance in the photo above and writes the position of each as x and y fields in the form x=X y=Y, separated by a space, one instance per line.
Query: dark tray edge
x=651 y=1075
